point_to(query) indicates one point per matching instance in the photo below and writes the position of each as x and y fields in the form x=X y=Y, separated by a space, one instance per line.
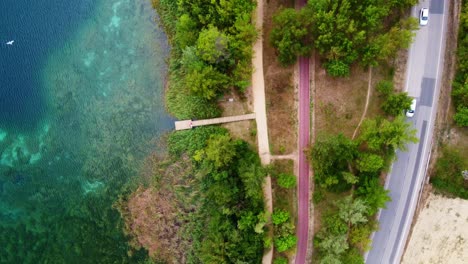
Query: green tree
x=352 y=211
x=337 y=68
x=212 y=45
x=334 y=245
x=359 y=236
x=280 y=260
x=285 y=242
x=353 y=256
x=330 y=156
x=291 y=35
x=205 y=81
x=287 y=180
x=186 y=31
x=368 y=162
x=280 y=216
x=374 y=194
x=381 y=134
x=461 y=117
x=385 y=87
x=220 y=150
x=397 y=103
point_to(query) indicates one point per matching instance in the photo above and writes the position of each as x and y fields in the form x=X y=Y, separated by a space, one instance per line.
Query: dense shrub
x=448 y=176
x=460 y=84
x=344 y=33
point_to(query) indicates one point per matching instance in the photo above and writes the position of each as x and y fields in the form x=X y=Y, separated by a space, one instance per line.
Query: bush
x=385 y=88
x=461 y=117
x=280 y=260
x=286 y=242
x=280 y=216
x=448 y=176
x=286 y=180
x=337 y=68
x=397 y=103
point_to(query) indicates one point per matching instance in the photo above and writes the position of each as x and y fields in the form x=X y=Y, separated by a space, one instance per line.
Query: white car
x=410 y=112
x=423 y=16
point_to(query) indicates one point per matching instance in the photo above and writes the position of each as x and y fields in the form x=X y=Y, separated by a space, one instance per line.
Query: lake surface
x=81 y=107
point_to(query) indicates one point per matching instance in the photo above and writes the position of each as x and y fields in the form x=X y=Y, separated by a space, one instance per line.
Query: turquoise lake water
x=81 y=107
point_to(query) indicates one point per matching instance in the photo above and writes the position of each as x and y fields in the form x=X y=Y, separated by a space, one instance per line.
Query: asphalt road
x=304 y=136
x=424 y=72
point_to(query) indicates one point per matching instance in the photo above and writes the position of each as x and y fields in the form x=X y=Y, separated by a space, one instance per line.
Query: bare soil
x=281 y=96
x=232 y=104
x=440 y=234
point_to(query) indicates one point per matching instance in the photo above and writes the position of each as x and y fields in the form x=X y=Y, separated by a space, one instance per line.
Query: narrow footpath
x=258 y=91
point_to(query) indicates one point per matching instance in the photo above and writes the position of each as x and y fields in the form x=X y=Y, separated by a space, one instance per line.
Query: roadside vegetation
x=447 y=175
x=207 y=201
x=348 y=172
x=211 y=53
x=460 y=83
x=344 y=32
x=285 y=213
x=352 y=169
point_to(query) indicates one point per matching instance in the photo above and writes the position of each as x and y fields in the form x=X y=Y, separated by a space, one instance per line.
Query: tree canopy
x=344 y=32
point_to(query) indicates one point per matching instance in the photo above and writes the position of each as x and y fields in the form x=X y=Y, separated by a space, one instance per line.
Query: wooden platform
x=188 y=124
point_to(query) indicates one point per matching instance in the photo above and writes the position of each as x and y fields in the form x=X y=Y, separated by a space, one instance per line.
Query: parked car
x=410 y=112
x=423 y=16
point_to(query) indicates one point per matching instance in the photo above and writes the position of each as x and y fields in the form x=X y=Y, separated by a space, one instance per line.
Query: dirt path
x=369 y=89
x=258 y=91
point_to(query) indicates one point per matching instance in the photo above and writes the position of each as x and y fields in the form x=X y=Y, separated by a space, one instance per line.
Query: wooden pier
x=188 y=124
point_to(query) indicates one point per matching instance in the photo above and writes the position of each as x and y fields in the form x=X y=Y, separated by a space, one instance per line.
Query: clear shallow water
x=80 y=108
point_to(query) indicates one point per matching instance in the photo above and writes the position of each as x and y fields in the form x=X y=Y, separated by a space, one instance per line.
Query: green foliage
x=205 y=81
x=333 y=245
x=191 y=141
x=212 y=45
x=386 y=136
x=330 y=156
x=337 y=68
x=374 y=194
x=285 y=242
x=460 y=84
x=220 y=150
x=461 y=117
x=211 y=52
x=448 y=177
x=385 y=88
x=349 y=177
x=359 y=236
x=291 y=35
x=397 y=103
x=287 y=180
x=228 y=224
x=368 y=162
x=353 y=256
x=279 y=217
x=334 y=224
x=280 y=260
x=343 y=32
x=352 y=211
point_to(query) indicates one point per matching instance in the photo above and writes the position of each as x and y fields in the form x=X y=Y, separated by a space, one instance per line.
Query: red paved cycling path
x=303 y=186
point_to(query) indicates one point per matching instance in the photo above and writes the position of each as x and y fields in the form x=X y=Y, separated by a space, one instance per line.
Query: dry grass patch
x=279 y=90
x=339 y=102
x=231 y=105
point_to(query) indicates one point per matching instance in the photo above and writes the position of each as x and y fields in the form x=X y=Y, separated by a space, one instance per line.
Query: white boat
x=10 y=42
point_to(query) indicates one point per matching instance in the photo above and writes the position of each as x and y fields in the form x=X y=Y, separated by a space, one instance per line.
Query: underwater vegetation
x=58 y=184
